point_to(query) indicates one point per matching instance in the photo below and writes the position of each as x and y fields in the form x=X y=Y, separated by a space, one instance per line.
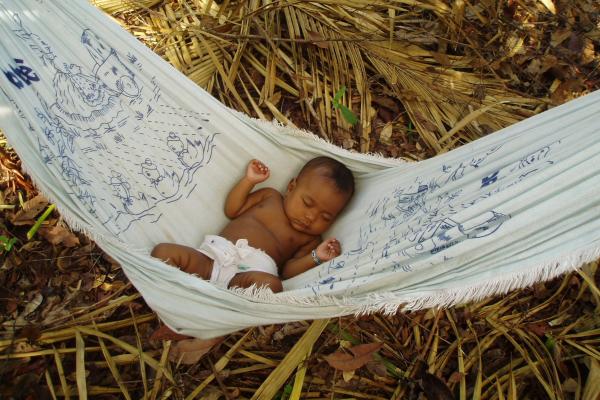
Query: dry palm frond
x=429 y=64
x=255 y=55
x=115 y=6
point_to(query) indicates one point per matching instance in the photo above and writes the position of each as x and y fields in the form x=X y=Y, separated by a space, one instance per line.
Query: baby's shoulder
x=269 y=192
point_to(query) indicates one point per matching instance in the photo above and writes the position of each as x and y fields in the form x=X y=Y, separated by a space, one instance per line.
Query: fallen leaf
x=348 y=143
x=570 y=385
x=435 y=388
x=549 y=5
x=565 y=91
x=361 y=354
x=24 y=347
x=386 y=102
x=455 y=377
x=539 y=328
x=30 y=332
x=190 y=351
x=33 y=304
x=513 y=45
x=59 y=234
x=31 y=208
x=166 y=333
x=559 y=36
x=588 y=53
x=386 y=133
x=348 y=375
x=366 y=349
x=377 y=368
x=425 y=123
x=318 y=39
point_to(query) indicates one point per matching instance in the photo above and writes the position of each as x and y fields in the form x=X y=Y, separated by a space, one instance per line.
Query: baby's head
x=317 y=195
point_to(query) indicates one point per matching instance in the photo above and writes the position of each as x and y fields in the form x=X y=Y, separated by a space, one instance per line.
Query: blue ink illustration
x=413 y=226
x=20 y=75
x=87 y=103
x=488 y=180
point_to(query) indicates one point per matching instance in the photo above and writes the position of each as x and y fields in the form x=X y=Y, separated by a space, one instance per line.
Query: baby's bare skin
x=266 y=227
x=286 y=226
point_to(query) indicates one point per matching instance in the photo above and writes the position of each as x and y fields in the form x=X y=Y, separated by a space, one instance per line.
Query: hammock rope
x=133 y=154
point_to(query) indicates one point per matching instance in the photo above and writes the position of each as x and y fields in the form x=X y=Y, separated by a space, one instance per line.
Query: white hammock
x=133 y=153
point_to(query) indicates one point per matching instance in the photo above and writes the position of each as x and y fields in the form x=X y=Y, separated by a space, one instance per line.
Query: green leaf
x=38 y=223
x=338 y=96
x=348 y=115
x=7 y=243
x=287 y=390
x=550 y=343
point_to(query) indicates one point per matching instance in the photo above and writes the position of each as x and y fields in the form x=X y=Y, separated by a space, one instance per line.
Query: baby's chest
x=275 y=221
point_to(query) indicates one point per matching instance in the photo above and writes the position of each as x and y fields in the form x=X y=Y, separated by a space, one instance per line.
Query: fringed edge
x=519 y=280
x=390 y=303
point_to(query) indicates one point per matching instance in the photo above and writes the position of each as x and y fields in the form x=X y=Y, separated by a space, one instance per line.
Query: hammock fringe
x=390 y=303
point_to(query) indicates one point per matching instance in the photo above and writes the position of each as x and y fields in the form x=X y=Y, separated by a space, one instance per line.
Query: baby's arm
x=239 y=198
x=303 y=260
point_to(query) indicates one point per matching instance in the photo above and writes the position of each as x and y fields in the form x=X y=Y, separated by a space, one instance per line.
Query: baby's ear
x=292 y=184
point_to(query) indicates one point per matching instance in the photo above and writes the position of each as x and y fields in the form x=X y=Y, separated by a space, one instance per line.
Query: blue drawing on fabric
x=446 y=233
x=91 y=102
x=408 y=224
x=20 y=75
x=488 y=180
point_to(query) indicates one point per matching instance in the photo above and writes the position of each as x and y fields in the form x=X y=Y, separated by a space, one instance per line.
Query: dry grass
x=422 y=77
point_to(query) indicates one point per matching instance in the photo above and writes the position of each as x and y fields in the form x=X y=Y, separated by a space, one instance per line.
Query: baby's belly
x=257 y=234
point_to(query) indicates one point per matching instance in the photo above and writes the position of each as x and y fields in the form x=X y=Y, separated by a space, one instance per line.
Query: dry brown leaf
x=570 y=385
x=33 y=304
x=348 y=375
x=538 y=328
x=549 y=5
x=348 y=143
x=455 y=377
x=24 y=347
x=60 y=235
x=366 y=349
x=166 y=333
x=588 y=53
x=31 y=208
x=318 y=39
x=377 y=368
x=559 y=36
x=386 y=133
x=565 y=91
x=435 y=388
x=190 y=351
x=63 y=260
x=361 y=354
x=513 y=45
x=386 y=102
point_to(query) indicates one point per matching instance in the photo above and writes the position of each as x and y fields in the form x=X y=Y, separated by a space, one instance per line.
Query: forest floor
x=72 y=324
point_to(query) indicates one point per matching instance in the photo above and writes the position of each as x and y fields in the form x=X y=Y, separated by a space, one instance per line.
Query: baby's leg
x=247 y=279
x=185 y=258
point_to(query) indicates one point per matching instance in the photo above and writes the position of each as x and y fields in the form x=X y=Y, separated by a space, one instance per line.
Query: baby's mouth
x=300 y=224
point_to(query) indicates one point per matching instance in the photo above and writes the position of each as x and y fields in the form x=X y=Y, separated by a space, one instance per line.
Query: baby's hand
x=257 y=172
x=328 y=249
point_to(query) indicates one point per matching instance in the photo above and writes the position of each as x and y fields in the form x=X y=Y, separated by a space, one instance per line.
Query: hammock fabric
x=133 y=154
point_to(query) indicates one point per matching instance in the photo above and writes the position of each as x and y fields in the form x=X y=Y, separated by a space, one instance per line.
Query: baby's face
x=313 y=202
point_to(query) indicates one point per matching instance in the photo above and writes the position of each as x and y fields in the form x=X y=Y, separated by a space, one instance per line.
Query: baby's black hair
x=338 y=172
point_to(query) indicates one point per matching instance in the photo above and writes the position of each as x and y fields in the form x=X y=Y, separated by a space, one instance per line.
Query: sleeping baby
x=271 y=235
